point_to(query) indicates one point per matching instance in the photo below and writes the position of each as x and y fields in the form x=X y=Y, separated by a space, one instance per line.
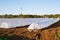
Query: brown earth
x=22 y=33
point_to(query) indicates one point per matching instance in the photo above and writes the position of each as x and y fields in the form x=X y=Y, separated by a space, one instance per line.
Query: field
x=22 y=33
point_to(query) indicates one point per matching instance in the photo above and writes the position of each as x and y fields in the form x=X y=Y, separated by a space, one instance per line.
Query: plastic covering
x=11 y=23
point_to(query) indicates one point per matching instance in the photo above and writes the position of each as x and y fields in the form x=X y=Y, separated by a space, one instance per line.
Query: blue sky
x=30 y=7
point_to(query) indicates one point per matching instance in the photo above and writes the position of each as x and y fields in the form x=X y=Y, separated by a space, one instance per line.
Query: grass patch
x=57 y=35
x=2 y=38
x=10 y=35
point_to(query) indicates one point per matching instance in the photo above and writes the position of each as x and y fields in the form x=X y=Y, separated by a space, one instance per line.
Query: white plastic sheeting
x=4 y=25
x=33 y=26
x=43 y=22
x=48 y=23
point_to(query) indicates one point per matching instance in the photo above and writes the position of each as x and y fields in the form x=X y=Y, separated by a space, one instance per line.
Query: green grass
x=2 y=38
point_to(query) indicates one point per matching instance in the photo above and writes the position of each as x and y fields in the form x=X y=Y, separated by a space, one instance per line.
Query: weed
x=10 y=35
x=57 y=35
